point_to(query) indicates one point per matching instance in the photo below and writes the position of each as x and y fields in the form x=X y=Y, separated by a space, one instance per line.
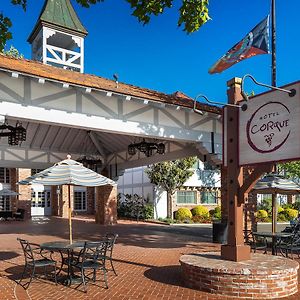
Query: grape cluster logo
x=269 y=127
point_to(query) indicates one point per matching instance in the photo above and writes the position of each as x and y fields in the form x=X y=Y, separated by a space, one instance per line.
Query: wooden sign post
x=235 y=249
x=264 y=133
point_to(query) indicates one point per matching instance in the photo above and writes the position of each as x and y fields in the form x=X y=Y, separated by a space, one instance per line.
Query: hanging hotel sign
x=269 y=129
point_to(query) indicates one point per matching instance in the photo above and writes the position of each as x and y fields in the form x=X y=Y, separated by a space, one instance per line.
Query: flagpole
x=273 y=33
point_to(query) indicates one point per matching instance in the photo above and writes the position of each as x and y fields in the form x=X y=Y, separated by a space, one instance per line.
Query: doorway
x=41 y=203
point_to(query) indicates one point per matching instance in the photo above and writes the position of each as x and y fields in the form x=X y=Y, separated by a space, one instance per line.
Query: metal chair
x=259 y=243
x=91 y=257
x=290 y=245
x=111 y=240
x=31 y=253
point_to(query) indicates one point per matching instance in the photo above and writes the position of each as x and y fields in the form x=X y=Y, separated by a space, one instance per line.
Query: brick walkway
x=146 y=259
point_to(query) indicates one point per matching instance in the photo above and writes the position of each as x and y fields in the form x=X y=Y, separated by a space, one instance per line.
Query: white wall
x=135 y=181
x=160 y=204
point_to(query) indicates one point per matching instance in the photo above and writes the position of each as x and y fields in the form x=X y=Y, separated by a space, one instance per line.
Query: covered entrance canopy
x=68 y=112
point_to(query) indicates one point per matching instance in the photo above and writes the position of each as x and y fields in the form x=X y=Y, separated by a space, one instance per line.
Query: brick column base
x=261 y=277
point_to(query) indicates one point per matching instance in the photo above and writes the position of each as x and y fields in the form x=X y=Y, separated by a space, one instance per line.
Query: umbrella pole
x=274 y=212
x=70 y=214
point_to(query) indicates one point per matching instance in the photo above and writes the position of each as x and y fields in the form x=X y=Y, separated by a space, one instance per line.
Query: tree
x=290 y=169
x=170 y=176
x=13 y=52
x=192 y=13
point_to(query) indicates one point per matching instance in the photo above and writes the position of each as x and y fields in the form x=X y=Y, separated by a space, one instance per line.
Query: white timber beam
x=98 y=145
x=110 y=125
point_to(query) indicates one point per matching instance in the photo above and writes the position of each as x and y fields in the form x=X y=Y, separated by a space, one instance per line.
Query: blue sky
x=162 y=57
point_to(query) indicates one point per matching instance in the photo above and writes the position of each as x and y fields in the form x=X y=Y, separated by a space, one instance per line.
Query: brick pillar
x=90 y=194
x=234 y=250
x=54 y=201
x=25 y=192
x=106 y=205
x=13 y=184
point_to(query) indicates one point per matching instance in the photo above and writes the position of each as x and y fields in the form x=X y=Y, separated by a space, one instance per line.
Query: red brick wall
x=25 y=191
x=263 y=277
x=106 y=205
x=13 y=183
x=90 y=194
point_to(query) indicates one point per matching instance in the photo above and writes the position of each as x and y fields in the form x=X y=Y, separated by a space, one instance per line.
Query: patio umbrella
x=68 y=172
x=276 y=184
x=7 y=192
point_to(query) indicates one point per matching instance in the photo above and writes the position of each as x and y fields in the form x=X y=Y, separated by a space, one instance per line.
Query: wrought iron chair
x=33 y=260
x=290 y=245
x=111 y=240
x=91 y=257
x=259 y=243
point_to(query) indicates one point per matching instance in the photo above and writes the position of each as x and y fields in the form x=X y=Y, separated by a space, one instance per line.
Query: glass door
x=41 y=203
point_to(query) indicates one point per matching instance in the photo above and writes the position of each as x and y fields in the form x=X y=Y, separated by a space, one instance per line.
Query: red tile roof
x=37 y=69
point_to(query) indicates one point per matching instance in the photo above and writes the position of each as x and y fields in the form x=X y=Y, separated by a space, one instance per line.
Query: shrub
x=262 y=215
x=287 y=205
x=281 y=217
x=280 y=209
x=266 y=204
x=200 y=211
x=291 y=213
x=201 y=219
x=296 y=205
x=148 y=211
x=134 y=206
x=217 y=213
x=183 y=213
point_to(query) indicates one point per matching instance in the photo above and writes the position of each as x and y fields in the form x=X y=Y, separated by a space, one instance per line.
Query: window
x=41 y=199
x=4 y=203
x=186 y=197
x=79 y=200
x=209 y=197
x=4 y=175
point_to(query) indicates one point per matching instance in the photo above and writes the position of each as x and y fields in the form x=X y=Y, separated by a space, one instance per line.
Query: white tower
x=58 y=36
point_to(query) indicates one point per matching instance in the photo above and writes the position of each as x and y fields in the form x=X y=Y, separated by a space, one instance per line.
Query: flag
x=254 y=43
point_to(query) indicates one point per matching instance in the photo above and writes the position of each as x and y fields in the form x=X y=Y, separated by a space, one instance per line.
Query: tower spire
x=58 y=36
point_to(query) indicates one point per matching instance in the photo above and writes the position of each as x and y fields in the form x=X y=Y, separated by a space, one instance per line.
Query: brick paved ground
x=146 y=259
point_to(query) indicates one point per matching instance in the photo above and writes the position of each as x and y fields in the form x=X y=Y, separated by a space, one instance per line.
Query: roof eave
x=41 y=23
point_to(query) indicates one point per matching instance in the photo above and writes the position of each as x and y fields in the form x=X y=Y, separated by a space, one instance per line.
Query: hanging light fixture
x=16 y=135
x=90 y=162
x=148 y=148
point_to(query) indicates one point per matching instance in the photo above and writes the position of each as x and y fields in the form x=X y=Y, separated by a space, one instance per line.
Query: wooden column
x=235 y=250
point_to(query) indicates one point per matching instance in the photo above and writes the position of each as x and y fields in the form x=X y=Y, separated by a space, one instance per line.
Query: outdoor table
x=275 y=237
x=64 y=247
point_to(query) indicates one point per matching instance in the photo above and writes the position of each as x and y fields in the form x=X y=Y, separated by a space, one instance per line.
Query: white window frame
x=206 y=192
x=5 y=203
x=6 y=175
x=83 y=200
x=186 y=192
